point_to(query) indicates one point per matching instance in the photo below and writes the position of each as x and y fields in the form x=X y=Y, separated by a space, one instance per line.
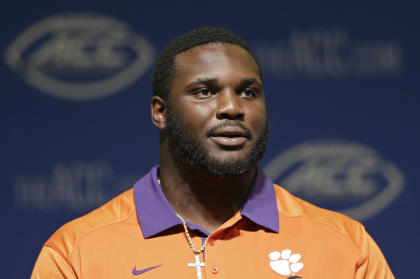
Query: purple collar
x=155 y=214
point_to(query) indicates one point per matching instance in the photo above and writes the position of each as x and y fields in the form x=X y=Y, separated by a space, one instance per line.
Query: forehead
x=216 y=60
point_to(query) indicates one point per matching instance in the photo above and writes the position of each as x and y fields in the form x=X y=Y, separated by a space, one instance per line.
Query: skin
x=213 y=83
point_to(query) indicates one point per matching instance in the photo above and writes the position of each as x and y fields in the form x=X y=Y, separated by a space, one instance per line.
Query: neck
x=202 y=198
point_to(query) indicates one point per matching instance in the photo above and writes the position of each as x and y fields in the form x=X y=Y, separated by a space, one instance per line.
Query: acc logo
x=344 y=176
x=79 y=56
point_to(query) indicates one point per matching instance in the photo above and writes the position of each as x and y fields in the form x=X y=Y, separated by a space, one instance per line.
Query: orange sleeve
x=52 y=265
x=373 y=264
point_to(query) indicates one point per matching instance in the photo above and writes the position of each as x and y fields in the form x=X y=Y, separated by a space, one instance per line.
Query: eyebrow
x=213 y=82
x=210 y=82
x=245 y=82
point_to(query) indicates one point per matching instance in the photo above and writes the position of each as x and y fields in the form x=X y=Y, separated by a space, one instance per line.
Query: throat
x=208 y=210
x=206 y=201
x=208 y=219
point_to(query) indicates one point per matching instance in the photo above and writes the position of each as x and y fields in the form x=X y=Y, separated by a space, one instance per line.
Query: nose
x=229 y=106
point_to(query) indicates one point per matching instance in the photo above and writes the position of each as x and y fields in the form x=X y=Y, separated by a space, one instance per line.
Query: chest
x=239 y=254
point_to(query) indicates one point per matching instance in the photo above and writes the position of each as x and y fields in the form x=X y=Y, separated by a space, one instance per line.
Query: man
x=207 y=211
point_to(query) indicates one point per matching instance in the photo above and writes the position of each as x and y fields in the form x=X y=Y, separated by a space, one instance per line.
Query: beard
x=186 y=147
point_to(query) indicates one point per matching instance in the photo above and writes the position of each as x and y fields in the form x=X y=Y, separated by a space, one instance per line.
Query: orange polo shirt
x=275 y=235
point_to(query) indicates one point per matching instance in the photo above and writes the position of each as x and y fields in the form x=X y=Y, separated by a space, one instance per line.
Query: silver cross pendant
x=197 y=265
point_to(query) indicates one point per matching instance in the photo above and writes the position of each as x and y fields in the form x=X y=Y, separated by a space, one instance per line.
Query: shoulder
x=117 y=211
x=334 y=223
x=332 y=233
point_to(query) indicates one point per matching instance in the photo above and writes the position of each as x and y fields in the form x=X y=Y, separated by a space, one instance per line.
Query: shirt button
x=212 y=241
x=215 y=270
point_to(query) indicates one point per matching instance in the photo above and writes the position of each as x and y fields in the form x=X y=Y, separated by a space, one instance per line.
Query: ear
x=157 y=109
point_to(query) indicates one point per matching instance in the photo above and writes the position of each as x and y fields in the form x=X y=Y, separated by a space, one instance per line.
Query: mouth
x=230 y=137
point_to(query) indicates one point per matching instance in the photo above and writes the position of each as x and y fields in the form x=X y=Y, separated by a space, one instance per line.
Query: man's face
x=216 y=113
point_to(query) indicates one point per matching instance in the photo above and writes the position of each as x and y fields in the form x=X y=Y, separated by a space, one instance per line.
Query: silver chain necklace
x=187 y=233
x=197 y=265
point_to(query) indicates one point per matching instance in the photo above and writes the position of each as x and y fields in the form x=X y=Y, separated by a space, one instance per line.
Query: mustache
x=230 y=123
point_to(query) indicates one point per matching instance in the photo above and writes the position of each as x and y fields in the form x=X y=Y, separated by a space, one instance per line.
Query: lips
x=230 y=136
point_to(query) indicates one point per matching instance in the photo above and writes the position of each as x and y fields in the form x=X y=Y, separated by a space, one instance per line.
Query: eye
x=248 y=92
x=203 y=93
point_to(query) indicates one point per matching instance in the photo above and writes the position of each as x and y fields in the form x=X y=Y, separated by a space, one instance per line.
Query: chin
x=230 y=156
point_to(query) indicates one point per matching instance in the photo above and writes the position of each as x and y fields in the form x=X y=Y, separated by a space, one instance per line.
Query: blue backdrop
x=341 y=82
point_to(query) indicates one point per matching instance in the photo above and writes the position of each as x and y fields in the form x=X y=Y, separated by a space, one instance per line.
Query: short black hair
x=165 y=64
